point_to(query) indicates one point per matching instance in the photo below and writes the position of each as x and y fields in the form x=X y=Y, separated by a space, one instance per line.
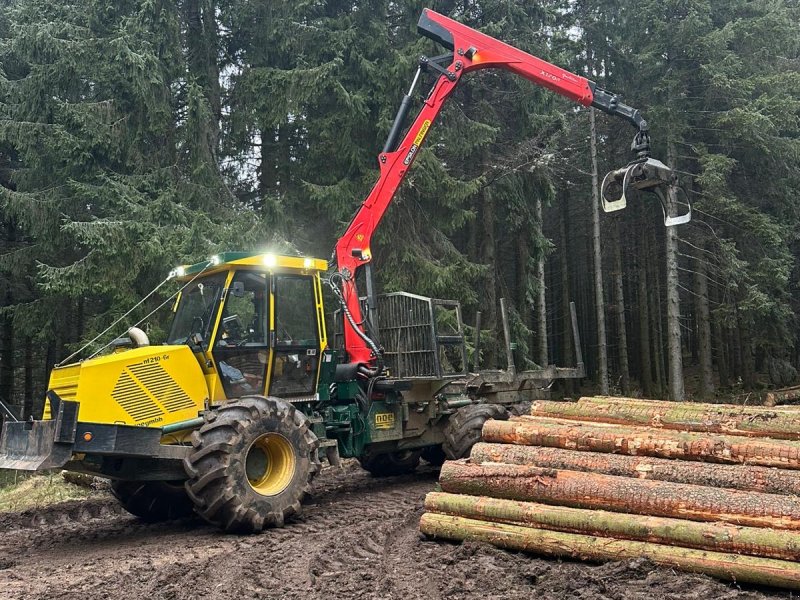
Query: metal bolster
x=433 y=30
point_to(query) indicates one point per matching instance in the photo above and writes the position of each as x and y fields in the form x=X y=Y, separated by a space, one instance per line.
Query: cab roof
x=225 y=261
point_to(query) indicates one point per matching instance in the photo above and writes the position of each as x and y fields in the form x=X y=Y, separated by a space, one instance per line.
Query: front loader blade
x=31 y=446
x=37 y=445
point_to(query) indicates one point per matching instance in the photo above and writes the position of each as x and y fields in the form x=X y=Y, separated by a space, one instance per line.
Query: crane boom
x=470 y=50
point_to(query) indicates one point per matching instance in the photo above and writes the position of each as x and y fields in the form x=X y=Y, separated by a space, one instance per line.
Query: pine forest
x=140 y=135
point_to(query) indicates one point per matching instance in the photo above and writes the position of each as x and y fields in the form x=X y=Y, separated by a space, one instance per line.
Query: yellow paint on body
x=150 y=387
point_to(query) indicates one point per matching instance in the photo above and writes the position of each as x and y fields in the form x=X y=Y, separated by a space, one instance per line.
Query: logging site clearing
x=358 y=537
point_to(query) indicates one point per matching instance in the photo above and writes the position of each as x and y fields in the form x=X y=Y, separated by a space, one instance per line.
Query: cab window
x=196 y=311
x=296 y=354
x=241 y=347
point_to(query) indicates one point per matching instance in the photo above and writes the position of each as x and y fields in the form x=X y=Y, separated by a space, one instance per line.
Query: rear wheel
x=434 y=455
x=252 y=464
x=153 y=501
x=464 y=427
x=391 y=463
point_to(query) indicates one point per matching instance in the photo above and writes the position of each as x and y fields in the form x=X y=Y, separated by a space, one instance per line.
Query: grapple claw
x=652 y=176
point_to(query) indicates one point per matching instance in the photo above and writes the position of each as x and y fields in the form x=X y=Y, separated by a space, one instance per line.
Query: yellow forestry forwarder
x=231 y=416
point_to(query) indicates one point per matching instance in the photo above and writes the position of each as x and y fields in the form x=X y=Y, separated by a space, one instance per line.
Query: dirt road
x=357 y=539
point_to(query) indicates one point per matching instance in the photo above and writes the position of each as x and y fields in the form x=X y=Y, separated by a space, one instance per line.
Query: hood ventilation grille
x=146 y=391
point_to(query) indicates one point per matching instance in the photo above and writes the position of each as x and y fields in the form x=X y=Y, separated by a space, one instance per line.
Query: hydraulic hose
x=379 y=363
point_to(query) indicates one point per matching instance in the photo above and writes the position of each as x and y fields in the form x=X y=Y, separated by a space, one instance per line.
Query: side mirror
x=237 y=289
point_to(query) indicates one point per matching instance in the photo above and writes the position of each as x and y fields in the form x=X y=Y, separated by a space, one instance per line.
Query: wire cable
x=137 y=305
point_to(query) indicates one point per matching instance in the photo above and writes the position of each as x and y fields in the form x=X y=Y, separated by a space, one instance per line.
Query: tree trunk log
x=642 y=441
x=719 y=537
x=744 y=408
x=748 y=569
x=737 y=477
x=621 y=494
x=731 y=420
x=785 y=395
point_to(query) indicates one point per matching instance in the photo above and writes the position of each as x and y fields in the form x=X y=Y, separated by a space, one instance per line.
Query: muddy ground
x=357 y=538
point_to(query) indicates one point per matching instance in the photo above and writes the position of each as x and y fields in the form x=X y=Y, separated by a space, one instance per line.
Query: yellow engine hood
x=151 y=387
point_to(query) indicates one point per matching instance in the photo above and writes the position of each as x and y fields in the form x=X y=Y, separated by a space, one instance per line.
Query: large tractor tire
x=464 y=427
x=153 y=501
x=399 y=462
x=251 y=464
x=434 y=455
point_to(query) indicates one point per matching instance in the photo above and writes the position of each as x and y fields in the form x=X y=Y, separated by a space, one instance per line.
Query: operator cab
x=255 y=323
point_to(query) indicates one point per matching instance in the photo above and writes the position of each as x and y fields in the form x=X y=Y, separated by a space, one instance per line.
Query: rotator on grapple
x=230 y=417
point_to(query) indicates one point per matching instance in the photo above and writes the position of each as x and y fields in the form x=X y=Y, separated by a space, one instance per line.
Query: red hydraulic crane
x=469 y=50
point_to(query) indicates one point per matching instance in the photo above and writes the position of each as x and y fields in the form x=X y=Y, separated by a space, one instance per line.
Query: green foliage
x=138 y=135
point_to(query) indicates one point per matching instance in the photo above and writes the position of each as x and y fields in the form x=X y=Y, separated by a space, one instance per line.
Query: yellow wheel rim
x=270 y=464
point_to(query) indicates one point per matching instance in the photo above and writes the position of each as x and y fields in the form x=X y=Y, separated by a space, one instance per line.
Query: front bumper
x=51 y=444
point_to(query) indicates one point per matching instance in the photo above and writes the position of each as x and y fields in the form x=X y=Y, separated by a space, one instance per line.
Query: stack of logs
x=708 y=488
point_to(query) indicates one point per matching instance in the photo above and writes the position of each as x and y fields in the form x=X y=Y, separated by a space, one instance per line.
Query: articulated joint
x=609 y=103
x=436 y=63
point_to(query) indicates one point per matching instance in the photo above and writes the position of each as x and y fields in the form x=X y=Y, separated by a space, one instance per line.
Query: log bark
x=643 y=441
x=750 y=409
x=719 y=537
x=682 y=416
x=621 y=494
x=737 y=477
x=747 y=569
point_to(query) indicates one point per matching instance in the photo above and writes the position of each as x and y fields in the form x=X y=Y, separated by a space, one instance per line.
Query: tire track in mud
x=357 y=538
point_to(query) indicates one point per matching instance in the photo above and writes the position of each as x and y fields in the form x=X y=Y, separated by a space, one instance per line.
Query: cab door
x=295 y=336
x=241 y=347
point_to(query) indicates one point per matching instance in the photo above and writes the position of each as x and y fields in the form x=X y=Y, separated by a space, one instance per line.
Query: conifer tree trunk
x=27 y=406
x=488 y=258
x=674 y=352
x=7 y=353
x=702 y=314
x=522 y=254
x=566 y=323
x=602 y=346
x=49 y=361
x=619 y=301
x=201 y=43
x=721 y=354
x=541 y=305
x=655 y=312
x=645 y=360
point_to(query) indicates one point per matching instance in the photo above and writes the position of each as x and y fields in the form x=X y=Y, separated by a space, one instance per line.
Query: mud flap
x=36 y=445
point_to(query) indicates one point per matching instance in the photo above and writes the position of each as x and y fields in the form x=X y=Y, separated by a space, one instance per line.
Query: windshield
x=196 y=310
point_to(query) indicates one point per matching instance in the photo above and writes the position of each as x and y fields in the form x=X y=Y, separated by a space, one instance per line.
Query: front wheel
x=251 y=464
x=398 y=462
x=153 y=501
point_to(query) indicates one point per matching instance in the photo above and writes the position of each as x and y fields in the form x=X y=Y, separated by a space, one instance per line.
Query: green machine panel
x=385 y=422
